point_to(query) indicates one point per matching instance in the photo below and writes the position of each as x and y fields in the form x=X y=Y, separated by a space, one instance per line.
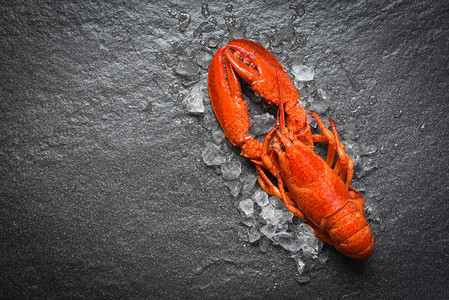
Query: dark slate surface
x=103 y=191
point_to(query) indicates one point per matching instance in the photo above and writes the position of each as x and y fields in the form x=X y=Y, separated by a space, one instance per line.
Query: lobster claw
x=232 y=113
x=259 y=68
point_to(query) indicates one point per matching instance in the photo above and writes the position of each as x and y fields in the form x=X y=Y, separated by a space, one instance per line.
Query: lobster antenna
x=281 y=112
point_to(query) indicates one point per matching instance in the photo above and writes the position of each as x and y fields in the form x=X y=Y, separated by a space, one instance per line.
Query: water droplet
x=212 y=42
x=184 y=20
x=159 y=54
x=398 y=113
x=356 y=86
x=204 y=27
x=149 y=108
x=423 y=127
x=174 y=88
x=230 y=22
x=170 y=62
x=172 y=13
x=205 y=10
x=372 y=100
x=299 y=9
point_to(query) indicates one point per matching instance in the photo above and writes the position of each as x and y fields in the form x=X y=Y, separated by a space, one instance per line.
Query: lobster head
x=259 y=68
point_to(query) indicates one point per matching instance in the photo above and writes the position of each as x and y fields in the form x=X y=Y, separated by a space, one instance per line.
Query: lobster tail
x=350 y=233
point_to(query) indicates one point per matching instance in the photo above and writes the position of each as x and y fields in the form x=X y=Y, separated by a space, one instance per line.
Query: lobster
x=312 y=188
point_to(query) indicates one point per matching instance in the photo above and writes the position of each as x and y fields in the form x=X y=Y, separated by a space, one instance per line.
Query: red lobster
x=310 y=187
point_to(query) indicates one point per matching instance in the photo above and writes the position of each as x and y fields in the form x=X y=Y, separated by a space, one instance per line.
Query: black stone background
x=103 y=190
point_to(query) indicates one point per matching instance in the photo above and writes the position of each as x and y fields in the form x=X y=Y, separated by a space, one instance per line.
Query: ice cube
x=247 y=206
x=311 y=120
x=367 y=149
x=303 y=73
x=353 y=150
x=287 y=216
x=231 y=170
x=212 y=155
x=253 y=234
x=194 y=101
x=306 y=238
x=300 y=264
x=367 y=167
x=268 y=230
x=281 y=227
x=249 y=181
x=268 y=215
x=261 y=198
x=319 y=104
x=188 y=70
x=203 y=58
x=261 y=124
x=264 y=243
x=323 y=257
x=286 y=34
x=276 y=202
x=287 y=241
x=218 y=136
x=234 y=187
x=249 y=221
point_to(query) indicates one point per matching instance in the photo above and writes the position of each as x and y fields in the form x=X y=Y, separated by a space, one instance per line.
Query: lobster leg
x=271 y=189
x=266 y=183
x=357 y=199
x=344 y=167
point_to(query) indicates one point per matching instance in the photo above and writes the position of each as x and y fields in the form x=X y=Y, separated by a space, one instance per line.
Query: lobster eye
x=283 y=148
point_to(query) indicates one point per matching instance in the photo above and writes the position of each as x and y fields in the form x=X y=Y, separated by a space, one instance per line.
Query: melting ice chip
x=231 y=170
x=303 y=73
x=247 y=206
x=194 y=101
x=213 y=155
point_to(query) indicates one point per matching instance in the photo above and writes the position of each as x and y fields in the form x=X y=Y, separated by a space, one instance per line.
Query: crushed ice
x=194 y=101
x=231 y=170
x=266 y=221
x=213 y=155
x=302 y=72
x=261 y=124
x=247 y=206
